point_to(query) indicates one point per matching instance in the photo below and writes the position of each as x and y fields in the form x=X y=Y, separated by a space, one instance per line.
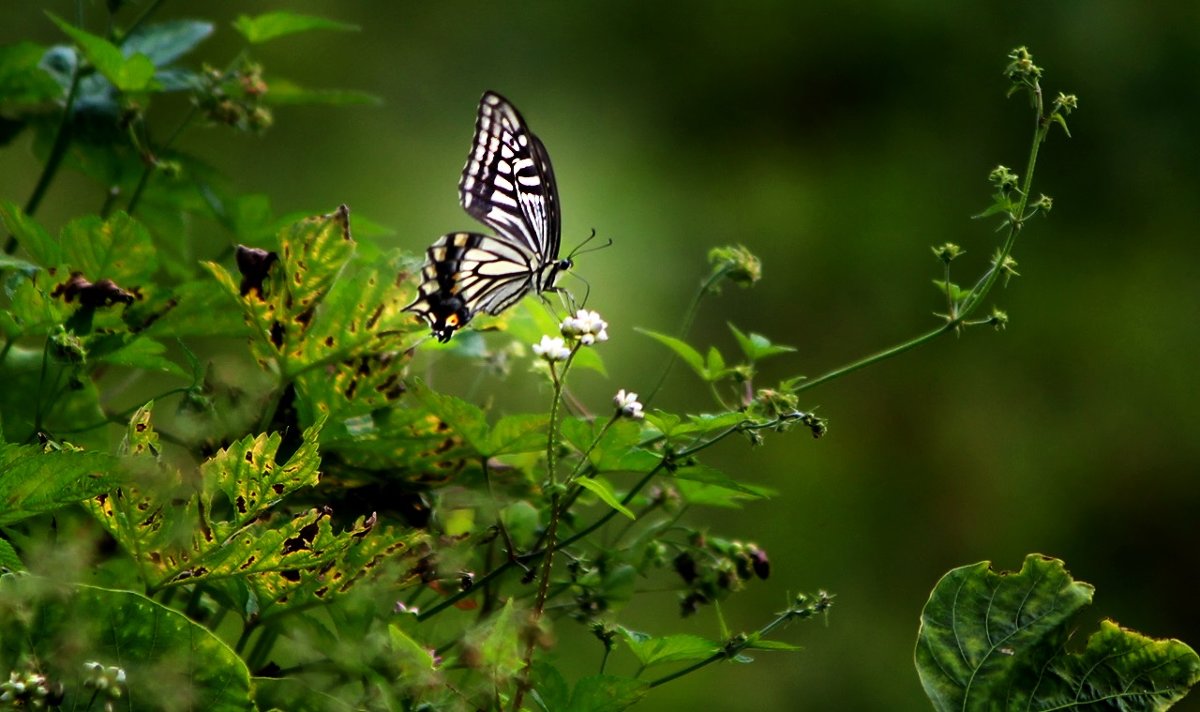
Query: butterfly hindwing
x=507 y=184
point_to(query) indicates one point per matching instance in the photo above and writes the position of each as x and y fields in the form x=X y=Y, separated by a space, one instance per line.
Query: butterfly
x=508 y=185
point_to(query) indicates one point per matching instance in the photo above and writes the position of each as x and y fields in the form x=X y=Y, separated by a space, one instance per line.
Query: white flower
x=552 y=349
x=627 y=404
x=587 y=326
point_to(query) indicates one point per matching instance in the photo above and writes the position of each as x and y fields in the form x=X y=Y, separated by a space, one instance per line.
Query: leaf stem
x=62 y=139
x=688 y=319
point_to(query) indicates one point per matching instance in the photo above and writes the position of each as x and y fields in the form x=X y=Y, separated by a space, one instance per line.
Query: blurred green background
x=838 y=141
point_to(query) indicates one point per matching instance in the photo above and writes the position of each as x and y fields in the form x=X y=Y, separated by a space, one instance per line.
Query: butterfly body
x=507 y=184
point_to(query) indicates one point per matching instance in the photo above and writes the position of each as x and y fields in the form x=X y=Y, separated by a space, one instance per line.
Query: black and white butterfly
x=508 y=185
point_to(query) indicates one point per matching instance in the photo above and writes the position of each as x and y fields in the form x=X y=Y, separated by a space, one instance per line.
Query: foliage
x=988 y=637
x=314 y=527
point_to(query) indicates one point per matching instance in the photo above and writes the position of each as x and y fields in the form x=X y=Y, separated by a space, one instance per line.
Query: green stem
x=143 y=17
x=62 y=139
x=523 y=683
x=688 y=319
x=534 y=556
x=152 y=160
x=972 y=301
x=735 y=646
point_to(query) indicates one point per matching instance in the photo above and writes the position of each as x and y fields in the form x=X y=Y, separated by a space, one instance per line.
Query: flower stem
x=971 y=302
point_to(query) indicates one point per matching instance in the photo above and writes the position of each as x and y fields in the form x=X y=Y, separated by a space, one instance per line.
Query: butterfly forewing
x=507 y=184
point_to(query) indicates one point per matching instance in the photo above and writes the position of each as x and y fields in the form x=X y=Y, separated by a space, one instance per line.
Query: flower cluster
x=29 y=690
x=552 y=349
x=108 y=680
x=586 y=326
x=628 y=405
x=723 y=566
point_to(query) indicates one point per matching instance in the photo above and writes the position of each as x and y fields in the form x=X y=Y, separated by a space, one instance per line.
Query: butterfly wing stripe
x=507 y=182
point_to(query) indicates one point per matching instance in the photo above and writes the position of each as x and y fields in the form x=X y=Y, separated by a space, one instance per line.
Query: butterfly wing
x=508 y=183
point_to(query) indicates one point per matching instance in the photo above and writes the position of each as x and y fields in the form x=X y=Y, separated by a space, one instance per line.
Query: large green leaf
x=170 y=663
x=996 y=641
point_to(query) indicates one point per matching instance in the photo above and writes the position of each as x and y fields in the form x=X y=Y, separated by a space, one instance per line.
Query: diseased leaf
x=166 y=657
x=993 y=640
x=272 y=25
x=119 y=249
x=36 y=480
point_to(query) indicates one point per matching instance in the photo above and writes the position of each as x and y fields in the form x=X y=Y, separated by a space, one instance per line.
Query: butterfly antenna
x=580 y=251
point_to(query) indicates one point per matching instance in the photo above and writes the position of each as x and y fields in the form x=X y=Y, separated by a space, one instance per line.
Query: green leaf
x=272 y=25
x=165 y=42
x=499 y=644
x=956 y=293
x=119 y=249
x=651 y=650
x=714 y=364
x=416 y=661
x=145 y=354
x=773 y=645
x=523 y=521
x=9 y=561
x=604 y=491
x=166 y=657
x=288 y=93
x=550 y=689
x=23 y=81
x=518 y=433
x=756 y=346
x=465 y=419
x=37 y=481
x=716 y=495
x=30 y=235
x=606 y=693
x=132 y=74
x=682 y=349
x=715 y=478
x=997 y=641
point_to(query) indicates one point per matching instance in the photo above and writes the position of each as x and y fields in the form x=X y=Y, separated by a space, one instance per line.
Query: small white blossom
x=587 y=326
x=628 y=405
x=552 y=349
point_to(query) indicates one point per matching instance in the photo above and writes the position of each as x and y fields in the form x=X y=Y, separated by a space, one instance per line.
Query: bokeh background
x=838 y=141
